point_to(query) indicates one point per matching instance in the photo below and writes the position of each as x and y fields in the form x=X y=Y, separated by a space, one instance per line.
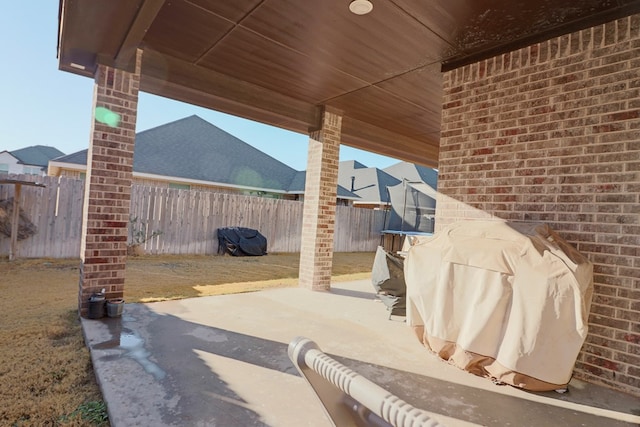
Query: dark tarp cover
x=387 y=277
x=241 y=241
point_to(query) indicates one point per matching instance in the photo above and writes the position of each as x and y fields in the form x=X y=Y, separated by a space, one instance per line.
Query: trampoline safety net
x=413 y=207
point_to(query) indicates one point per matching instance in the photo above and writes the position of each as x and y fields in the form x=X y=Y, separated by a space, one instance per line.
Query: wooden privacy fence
x=55 y=210
x=187 y=220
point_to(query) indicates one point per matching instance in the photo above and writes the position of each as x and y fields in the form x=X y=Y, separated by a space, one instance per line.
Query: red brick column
x=108 y=186
x=316 y=252
x=551 y=133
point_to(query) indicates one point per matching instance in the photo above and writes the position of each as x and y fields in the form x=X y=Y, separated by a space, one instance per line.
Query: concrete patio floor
x=222 y=361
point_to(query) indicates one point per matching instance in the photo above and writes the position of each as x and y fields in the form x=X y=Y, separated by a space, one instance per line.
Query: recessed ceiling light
x=360 y=7
x=78 y=66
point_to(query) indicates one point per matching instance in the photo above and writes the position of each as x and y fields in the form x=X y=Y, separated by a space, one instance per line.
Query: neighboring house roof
x=77 y=158
x=368 y=183
x=414 y=173
x=37 y=155
x=299 y=181
x=194 y=149
x=352 y=164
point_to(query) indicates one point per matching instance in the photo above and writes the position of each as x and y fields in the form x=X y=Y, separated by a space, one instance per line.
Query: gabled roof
x=77 y=158
x=8 y=152
x=298 y=186
x=368 y=183
x=194 y=149
x=414 y=173
x=298 y=183
x=352 y=164
x=37 y=155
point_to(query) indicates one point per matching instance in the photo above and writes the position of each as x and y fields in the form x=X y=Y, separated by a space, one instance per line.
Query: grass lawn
x=46 y=377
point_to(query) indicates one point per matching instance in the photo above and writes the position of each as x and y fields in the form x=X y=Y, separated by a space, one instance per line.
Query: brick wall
x=551 y=133
x=318 y=218
x=108 y=193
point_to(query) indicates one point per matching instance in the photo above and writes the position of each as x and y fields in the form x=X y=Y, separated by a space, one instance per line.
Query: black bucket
x=96 y=306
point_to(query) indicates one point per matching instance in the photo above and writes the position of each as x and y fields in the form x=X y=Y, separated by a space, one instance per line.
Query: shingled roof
x=36 y=155
x=414 y=173
x=194 y=149
x=368 y=183
x=77 y=158
x=299 y=181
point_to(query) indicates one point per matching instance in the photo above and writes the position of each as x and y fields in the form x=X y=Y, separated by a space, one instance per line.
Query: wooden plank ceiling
x=279 y=61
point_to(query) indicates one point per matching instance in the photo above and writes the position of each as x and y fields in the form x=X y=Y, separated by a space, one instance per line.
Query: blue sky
x=41 y=105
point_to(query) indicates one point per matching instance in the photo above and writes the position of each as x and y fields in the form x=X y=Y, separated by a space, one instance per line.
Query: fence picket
x=187 y=219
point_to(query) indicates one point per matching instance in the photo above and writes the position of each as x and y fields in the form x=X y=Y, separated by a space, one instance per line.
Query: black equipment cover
x=241 y=241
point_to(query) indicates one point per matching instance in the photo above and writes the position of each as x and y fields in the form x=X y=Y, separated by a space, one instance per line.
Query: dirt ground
x=46 y=377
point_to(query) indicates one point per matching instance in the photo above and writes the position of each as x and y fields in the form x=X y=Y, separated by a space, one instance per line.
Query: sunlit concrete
x=222 y=361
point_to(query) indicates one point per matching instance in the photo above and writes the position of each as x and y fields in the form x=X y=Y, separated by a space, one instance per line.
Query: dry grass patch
x=45 y=369
x=46 y=377
x=157 y=278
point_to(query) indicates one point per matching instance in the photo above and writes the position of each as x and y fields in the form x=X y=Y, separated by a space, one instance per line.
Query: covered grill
x=504 y=300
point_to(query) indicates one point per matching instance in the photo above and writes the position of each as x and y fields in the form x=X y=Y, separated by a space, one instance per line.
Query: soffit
x=280 y=61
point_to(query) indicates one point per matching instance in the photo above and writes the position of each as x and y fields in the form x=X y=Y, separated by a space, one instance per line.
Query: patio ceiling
x=278 y=61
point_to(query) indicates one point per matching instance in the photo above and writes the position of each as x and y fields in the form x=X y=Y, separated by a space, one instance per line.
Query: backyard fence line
x=55 y=210
x=186 y=219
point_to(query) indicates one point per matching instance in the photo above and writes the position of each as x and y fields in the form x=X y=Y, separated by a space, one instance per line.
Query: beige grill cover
x=505 y=300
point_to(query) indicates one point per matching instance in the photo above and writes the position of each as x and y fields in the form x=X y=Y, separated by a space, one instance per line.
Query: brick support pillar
x=318 y=223
x=107 y=197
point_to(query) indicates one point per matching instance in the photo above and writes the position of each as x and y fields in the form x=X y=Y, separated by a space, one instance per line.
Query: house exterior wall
x=9 y=165
x=70 y=173
x=551 y=133
x=166 y=184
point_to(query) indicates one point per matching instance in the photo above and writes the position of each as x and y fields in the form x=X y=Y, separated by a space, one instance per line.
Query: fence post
x=356 y=229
